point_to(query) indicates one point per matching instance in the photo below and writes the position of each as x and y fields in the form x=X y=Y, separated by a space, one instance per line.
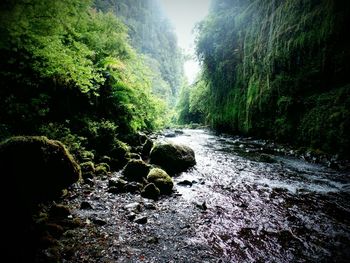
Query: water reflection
x=262 y=206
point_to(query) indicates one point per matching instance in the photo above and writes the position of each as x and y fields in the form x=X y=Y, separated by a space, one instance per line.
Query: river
x=239 y=205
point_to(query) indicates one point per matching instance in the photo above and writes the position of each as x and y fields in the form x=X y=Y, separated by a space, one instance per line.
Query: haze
x=184 y=14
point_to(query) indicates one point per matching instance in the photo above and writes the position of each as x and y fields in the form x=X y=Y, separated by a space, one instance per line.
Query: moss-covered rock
x=150 y=191
x=87 y=167
x=86 y=156
x=173 y=158
x=37 y=168
x=102 y=169
x=161 y=180
x=119 y=155
x=136 y=170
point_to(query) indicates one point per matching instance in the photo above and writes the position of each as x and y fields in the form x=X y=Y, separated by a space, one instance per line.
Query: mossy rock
x=120 y=150
x=102 y=169
x=161 y=179
x=86 y=156
x=150 y=191
x=173 y=158
x=87 y=167
x=119 y=155
x=36 y=168
x=136 y=170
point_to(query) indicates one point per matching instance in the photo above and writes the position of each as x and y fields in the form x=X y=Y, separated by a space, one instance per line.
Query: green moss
x=38 y=168
x=161 y=180
x=136 y=170
x=87 y=167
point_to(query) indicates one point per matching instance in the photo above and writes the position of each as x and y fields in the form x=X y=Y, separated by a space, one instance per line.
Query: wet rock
x=185 y=183
x=161 y=180
x=136 y=170
x=135 y=207
x=88 y=175
x=59 y=211
x=133 y=187
x=147 y=147
x=134 y=156
x=201 y=205
x=131 y=216
x=99 y=221
x=117 y=186
x=141 y=220
x=178 y=132
x=36 y=168
x=114 y=190
x=173 y=158
x=152 y=240
x=85 y=205
x=89 y=182
x=150 y=191
x=150 y=206
x=170 y=134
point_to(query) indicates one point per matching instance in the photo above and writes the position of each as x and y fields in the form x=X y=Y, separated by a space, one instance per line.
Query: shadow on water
x=258 y=206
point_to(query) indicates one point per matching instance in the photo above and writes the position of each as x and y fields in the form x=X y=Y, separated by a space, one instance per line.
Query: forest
x=109 y=154
x=76 y=72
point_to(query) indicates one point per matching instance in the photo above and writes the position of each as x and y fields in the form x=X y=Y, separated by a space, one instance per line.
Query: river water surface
x=238 y=205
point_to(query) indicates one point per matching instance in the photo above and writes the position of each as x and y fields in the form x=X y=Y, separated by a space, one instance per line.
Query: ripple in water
x=276 y=209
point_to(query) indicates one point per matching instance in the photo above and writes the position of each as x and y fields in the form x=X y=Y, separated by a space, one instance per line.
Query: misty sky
x=184 y=14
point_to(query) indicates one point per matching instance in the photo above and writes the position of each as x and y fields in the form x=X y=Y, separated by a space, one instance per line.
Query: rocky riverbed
x=244 y=201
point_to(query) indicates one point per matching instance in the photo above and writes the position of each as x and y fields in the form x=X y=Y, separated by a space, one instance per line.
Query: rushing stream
x=235 y=205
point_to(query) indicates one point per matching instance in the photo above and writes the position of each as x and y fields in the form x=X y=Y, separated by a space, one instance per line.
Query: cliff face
x=279 y=69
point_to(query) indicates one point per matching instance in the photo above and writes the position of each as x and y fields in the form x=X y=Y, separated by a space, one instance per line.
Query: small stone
x=150 y=206
x=202 y=206
x=99 y=222
x=131 y=216
x=141 y=220
x=185 y=183
x=152 y=240
x=135 y=207
x=114 y=190
x=133 y=187
x=89 y=182
x=150 y=191
x=85 y=205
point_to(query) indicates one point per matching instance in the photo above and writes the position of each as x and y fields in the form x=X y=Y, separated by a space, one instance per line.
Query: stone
x=136 y=170
x=173 y=158
x=161 y=180
x=150 y=191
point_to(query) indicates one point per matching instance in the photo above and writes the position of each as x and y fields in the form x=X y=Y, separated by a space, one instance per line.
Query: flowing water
x=239 y=205
x=282 y=211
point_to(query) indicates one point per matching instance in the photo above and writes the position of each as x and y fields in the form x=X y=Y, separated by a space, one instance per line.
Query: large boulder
x=173 y=158
x=136 y=170
x=36 y=168
x=161 y=180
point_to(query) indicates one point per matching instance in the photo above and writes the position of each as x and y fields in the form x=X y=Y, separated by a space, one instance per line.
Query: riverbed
x=240 y=203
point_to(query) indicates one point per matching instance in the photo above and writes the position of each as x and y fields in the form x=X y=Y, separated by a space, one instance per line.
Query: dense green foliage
x=69 y=72
x=277 y=69
x=152 y=35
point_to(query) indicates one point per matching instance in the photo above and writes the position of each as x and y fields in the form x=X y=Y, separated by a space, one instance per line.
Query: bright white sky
x=183 y=15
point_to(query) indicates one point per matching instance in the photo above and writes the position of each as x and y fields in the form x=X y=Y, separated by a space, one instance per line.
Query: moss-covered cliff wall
x=279 y=69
